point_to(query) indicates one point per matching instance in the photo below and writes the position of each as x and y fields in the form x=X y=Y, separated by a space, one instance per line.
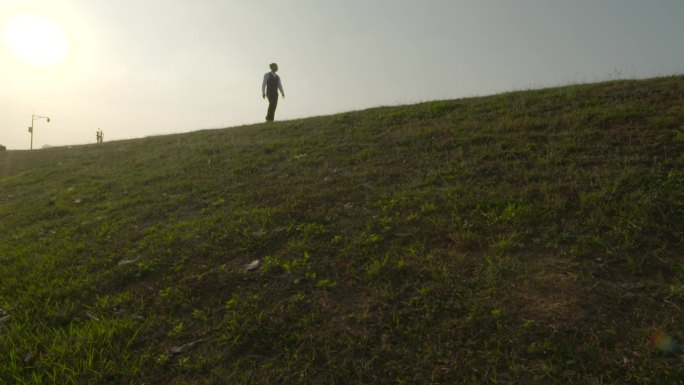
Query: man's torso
x=272 y=84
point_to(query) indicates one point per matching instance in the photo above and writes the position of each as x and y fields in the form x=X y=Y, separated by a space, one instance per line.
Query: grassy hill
x=530 y=237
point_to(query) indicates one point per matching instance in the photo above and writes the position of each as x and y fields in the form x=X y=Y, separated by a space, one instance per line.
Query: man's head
x=274 y=67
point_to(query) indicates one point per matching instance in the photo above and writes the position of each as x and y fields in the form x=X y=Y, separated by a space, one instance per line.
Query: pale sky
x=137 y=68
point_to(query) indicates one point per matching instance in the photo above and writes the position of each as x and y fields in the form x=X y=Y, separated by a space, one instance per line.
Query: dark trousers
x=272 y=104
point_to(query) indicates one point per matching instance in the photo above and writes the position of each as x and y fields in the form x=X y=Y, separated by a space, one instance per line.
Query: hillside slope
x=530 y=237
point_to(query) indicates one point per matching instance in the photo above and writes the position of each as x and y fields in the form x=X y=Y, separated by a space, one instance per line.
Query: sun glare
x=36 y=40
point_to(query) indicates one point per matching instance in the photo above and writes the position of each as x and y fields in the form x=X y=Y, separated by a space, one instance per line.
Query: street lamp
x=33 y=119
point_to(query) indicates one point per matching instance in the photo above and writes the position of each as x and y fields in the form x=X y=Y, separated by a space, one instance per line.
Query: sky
x=137 y=68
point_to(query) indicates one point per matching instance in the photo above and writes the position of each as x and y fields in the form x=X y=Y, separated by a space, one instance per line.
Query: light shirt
x=268 y=75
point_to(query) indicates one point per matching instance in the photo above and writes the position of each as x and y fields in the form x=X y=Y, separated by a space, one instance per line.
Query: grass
x=530 y=237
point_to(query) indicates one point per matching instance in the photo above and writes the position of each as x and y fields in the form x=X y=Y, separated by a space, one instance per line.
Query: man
x=270 y=87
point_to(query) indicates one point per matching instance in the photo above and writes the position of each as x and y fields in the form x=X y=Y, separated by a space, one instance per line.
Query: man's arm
x=280 y=86
x=263 y=86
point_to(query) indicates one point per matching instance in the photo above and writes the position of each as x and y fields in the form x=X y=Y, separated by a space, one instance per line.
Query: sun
x=36 y=40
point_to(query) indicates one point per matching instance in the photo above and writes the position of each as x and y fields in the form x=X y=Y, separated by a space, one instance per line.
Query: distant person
x=270 y=87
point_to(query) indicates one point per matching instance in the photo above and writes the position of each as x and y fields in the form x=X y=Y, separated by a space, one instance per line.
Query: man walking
x=270 y=87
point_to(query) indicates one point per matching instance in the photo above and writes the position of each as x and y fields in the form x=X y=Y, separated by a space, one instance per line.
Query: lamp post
x=33 y=119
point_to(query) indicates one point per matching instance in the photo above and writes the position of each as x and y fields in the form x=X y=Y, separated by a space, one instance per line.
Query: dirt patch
x=553 y=290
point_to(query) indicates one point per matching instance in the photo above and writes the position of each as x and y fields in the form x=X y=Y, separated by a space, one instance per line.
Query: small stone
x=128 y=261
x=259 y=233
x=252 y=265
x=31 y=358
x=91 y=317
x=183 y=348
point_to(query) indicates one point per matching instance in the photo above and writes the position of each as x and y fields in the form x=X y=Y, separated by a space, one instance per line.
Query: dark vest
x=272 y=84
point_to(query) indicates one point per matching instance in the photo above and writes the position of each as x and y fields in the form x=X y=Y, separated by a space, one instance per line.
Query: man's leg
x=272 y=104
